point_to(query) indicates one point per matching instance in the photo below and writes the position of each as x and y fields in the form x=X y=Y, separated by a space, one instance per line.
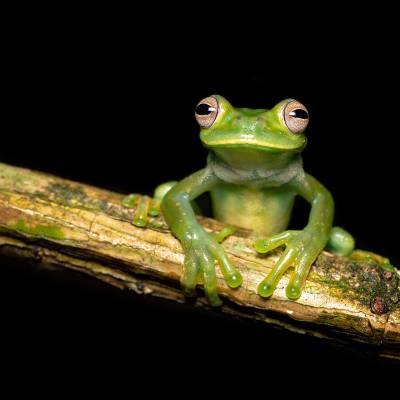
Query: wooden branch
x=60 y=223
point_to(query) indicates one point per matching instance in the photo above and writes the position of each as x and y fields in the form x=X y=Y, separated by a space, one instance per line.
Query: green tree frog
x=254 y=172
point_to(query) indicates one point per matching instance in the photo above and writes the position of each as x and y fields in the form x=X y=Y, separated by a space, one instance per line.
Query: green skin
x=250 y=142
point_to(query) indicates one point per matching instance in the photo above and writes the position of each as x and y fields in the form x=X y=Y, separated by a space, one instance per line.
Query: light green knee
x=340 y=242
x=159 y=193
x=163 y=189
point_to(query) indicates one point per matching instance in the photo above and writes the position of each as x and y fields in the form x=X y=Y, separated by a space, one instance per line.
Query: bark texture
x=64 y=224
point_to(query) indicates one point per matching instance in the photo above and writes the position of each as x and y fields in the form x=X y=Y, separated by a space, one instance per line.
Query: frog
x=254 y=172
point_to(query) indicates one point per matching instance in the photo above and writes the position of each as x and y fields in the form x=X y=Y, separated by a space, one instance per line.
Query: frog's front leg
x=301 y=247
x=201 y=249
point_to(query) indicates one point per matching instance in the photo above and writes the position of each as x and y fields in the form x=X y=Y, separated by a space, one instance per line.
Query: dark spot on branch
x=388 y=275
x=378 y=306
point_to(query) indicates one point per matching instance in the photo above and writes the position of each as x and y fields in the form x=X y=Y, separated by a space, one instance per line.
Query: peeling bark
x=64 y=224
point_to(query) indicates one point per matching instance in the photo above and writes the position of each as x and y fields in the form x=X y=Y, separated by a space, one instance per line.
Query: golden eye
x=296 y=116
x=206 y=111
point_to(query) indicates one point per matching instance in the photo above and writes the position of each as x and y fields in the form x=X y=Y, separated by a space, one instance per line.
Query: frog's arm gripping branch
x=73 y=226
x=201 y=249
x=302 y=247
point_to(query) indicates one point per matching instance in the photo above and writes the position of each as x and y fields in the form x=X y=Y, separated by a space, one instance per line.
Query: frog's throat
x=257 y=177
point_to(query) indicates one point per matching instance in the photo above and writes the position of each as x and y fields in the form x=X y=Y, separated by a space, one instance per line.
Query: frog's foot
x=201 y=253
x=225 y=232
x=363 y=255
x=142 y=205
x=302 y=248
x=342 y=243
x=146 y=206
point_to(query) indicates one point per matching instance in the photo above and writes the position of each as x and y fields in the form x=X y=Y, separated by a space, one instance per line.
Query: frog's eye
x=296 y=116
x=206 y=111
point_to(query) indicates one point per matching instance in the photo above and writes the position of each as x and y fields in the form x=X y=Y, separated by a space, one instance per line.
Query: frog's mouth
x=254 y=145
x=269 y=141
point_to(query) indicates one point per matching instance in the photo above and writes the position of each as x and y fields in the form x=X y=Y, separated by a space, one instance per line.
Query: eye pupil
x=206 y=112
x=204 y=109
x=299 y=113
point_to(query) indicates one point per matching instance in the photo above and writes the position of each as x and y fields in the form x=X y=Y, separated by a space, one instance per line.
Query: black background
x=114 y=108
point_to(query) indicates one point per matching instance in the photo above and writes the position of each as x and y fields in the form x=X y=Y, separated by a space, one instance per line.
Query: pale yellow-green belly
x=264 y=211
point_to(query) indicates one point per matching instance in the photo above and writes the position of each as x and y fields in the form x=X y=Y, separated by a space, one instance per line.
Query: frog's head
x=246 y=137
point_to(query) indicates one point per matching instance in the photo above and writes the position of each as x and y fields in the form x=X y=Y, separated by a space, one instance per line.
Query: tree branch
x=64 y=224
